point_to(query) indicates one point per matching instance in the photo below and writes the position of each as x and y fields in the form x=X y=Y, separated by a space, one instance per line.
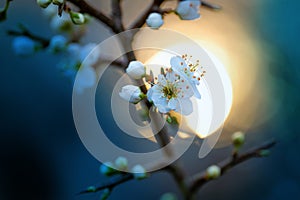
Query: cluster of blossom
x=186 y=10
x=120 y=165
x=171 y=90
x=67 y=30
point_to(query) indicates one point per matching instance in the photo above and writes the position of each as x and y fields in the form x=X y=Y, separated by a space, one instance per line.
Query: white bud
x=77 y=18
x=58 y=2
x=188 y=10
x=139 y=172
x=155 y=20
x=136 y=70
x=57 y=43
x=131 y=93
x=50 y=11
x=213 y=172
x=44 y=3
x=238 y=139
x=168 y=196
x=24 y=46
x=107 y=169
x=121 y=163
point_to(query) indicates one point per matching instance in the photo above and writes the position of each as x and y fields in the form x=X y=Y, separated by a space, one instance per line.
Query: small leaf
x=264 y=153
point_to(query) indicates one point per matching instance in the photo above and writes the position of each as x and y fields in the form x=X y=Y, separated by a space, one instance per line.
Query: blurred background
x=42 y=156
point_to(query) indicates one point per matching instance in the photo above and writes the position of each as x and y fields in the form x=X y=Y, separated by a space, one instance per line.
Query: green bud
x=213 y=172
x=44 y=3
x=77 y=18
x=58 y=2
x=238 y=139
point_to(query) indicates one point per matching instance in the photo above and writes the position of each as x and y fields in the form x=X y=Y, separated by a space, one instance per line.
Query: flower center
x=170 y=91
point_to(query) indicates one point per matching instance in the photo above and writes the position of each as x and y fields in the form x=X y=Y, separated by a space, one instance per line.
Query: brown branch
x=25 y=32
x=210 y=5
x=117 y=15
x=87 y=8
x=200 y=179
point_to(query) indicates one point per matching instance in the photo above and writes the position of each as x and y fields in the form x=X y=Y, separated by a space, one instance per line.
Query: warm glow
x=199 y=121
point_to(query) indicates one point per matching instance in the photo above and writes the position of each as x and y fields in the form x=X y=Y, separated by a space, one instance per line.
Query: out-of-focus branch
x=87 y=8
x=141 y=20
x=115 y=181
x=3 y=12
x=211 y=5
x=25 y=32
x=117 y=15
x=200 y=179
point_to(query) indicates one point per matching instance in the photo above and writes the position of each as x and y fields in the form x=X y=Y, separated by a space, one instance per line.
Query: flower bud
x=107 y=169
x=136 y=70
x=61 y=24
x=139 y=172
x=213 y=172
x=131 y=93
x=154 y=20
x=121 y=163
x=188 y=10
x=57 y=43
x=77 y=18
x=58 y=2
x=44 y=3
x=238 y=139
x=24 y=46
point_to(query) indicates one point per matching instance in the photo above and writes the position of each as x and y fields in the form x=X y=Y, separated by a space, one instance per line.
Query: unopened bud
x=213 y=172
x=58 y=2
x=238 y=139
x=107 y=169
x=77 y=18
x=121 y=163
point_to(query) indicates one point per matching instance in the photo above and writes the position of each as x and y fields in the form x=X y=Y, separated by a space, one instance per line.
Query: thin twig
x=210 y=5
x=200 y=179
x=111 y=184
x=141 y=20
x=87 y=8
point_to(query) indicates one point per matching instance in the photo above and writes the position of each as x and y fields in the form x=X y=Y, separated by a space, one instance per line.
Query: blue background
x=42 y=157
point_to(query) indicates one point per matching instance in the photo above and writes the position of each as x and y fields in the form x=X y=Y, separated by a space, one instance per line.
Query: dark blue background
x=42 y=157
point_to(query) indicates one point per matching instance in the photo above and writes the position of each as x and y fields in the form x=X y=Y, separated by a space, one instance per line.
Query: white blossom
x=188 y=72
x=24 y=46
x=188 y=10
x=171 y=93
x=86 y=78
x=107 y=169
x=136 y=70
x=131 y=93
x=155 y=20
x=89 y=53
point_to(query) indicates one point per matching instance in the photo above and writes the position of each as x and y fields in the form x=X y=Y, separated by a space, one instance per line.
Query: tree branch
x=111 y=184
x=200 y=179
x=87 y=8
x=141 y=20
x=210 y=5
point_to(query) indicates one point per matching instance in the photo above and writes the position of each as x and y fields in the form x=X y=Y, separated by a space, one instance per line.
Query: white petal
x=172 y=104
x=186 y=107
